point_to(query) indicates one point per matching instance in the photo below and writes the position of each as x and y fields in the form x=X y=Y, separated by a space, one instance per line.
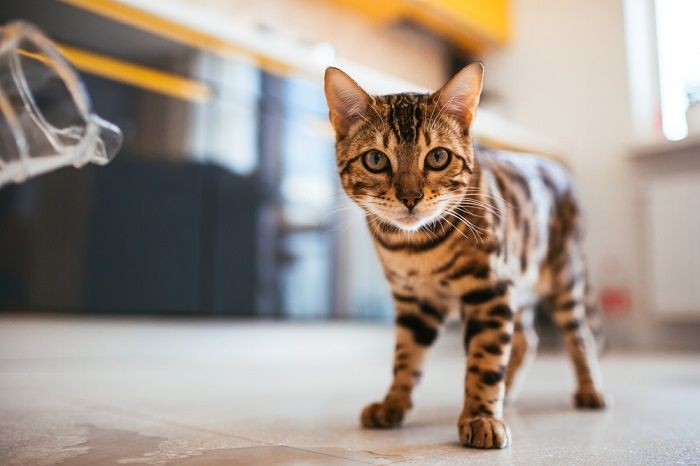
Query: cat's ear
x=346 y=100
x=460 y=96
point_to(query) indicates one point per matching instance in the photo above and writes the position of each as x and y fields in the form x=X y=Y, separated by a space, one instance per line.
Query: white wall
x=565 y=77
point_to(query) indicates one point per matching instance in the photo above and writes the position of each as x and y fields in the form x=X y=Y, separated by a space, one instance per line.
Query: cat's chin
x=411 y=223
x=405 y=221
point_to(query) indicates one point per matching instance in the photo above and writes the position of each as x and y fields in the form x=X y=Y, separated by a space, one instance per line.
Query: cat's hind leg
x=569 y=313
x=523 y=351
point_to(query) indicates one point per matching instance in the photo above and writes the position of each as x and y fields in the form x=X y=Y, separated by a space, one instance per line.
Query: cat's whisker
x=457 y=228
x=340 y=226
x=426 y=230
x=490 y=196
x=341 y=209
x=470 y=202
x=442 y=225
x=478 y=203
x=470 y=214
x=461 y=214
x=477 y=235
x=464 y=206
x=470 y=225
x=467 y=192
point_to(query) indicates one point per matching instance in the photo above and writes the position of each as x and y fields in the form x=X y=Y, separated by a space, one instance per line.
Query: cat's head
x=405 y=158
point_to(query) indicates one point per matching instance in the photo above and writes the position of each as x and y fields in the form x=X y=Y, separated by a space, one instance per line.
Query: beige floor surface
x=182 y=392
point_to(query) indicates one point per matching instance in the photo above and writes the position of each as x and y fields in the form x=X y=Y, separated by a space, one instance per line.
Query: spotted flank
x=483 y=234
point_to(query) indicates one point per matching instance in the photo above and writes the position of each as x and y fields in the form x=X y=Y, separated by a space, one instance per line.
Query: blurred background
x=224 y=200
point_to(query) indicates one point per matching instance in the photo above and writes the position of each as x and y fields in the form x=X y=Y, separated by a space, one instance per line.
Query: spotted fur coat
x=486 y=235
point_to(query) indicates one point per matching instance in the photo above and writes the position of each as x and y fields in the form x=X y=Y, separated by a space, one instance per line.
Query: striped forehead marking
x=405 y=115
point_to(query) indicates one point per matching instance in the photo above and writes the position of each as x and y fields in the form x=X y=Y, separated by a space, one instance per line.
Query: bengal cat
x=486 y=234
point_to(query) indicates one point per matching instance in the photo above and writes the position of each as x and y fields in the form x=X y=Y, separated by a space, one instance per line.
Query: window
x=678 y=42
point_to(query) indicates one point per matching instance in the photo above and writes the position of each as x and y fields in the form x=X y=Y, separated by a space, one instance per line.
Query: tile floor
x=187 y=392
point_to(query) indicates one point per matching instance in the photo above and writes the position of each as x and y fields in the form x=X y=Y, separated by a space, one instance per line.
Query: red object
x=615 y=300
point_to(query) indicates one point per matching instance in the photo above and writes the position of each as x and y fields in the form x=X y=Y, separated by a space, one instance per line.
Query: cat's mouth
x=413 y=221
x=409 y=220
x=404 y=219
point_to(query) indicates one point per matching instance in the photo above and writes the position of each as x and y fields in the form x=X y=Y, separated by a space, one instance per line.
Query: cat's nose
x=410 y=199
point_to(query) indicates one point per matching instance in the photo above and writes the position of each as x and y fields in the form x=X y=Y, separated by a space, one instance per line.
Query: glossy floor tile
x=184 y=392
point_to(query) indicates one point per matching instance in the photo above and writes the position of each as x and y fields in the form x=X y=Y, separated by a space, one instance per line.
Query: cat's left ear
x=460 y=96
x=346 y=100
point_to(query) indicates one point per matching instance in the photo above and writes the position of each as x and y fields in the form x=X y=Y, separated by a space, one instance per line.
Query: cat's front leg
x=487 y=341
x=417 y=326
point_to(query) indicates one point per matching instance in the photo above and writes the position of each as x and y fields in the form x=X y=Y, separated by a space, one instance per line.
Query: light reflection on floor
x=183 y=392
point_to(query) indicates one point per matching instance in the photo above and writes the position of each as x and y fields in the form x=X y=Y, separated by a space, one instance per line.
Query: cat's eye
x=375 y=161
x=437 y=159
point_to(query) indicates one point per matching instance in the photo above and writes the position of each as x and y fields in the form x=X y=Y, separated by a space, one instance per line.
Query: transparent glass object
x=46 y=118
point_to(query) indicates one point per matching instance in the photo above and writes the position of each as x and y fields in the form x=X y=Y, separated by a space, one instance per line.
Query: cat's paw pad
x=590 y=399
x=483 y=432
x=385 y=414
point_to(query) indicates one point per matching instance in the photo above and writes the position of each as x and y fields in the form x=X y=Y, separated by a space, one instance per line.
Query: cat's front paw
x=589 y=398
x=483 y=432
x=386 y=414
